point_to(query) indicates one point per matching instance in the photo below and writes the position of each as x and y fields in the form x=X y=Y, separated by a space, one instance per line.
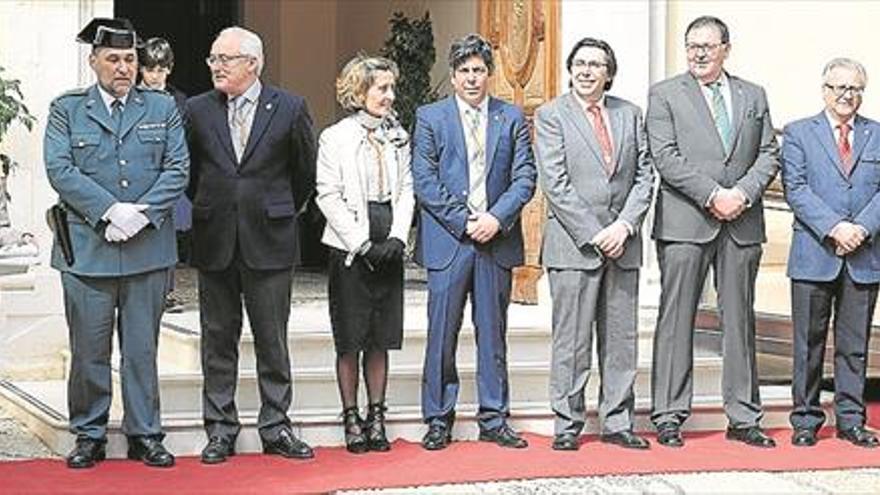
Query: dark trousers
x=473 y=272
x=266 y=296
x=853 y=308
x=94 y=306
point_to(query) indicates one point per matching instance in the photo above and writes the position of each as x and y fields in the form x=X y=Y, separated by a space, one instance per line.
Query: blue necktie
x=719 y=112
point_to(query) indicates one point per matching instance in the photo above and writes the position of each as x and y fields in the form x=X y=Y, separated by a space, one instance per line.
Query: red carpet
x=408 y=464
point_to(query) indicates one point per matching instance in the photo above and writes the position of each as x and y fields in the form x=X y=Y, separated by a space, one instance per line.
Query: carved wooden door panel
x=525 y=37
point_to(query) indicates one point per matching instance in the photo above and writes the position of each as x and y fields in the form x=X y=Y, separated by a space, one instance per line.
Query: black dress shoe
x=218 y=450
x=858 y=436
x=669 y=435
x=750 y=435
x=438 y=437
x=803 y=437
x=503 y=436
x=150 y=451
x=626 y=439
x=86 y=453
x=287 y=445
x=565 y=441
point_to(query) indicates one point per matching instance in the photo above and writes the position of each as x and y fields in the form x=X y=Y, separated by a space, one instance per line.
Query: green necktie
x=719 y=111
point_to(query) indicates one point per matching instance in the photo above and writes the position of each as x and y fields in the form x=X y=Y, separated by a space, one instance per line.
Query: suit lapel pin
x=268 y=106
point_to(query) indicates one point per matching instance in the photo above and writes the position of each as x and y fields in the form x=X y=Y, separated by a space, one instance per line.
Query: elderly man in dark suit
x=117 y=157
x=596 y=174
x=253 y=159
x=831 y=174
x=473 y=171
x=712 y=141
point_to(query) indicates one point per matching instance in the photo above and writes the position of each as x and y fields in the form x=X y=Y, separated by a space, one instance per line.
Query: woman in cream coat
x=364 y=188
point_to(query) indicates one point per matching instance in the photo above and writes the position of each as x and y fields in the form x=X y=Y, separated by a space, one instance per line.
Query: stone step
x=310 y=339
x=315 y=387
x=41 y=406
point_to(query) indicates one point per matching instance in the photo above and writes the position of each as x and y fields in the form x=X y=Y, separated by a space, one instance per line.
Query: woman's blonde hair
x=356 y=78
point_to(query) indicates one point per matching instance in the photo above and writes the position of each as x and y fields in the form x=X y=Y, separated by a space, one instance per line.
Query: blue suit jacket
x=820 y=196
x=440 y=180
x=91 y=168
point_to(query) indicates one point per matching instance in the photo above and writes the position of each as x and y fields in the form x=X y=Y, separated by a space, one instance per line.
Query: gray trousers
x=853 y=307
x=266 y=295
x=683 y=270
x=608 y=298
x=94 y=305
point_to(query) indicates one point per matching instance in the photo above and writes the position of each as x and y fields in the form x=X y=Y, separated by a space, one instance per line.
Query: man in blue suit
x=117 y=157
x=473 y=172
x=831 y=174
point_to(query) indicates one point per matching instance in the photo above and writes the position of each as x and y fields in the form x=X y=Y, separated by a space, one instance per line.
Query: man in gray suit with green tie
x=596 y=174
x=117 y=157
x=713 y=145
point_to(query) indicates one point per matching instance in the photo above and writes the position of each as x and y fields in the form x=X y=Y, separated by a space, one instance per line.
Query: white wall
x=625 y=25
x=783 y=46
x=37 y=46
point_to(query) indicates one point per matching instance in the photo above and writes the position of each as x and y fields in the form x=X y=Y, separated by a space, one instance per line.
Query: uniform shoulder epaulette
x=74 y=92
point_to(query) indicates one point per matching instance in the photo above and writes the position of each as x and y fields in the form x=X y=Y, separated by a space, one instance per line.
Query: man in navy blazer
x=473 y=172
x=253 y=170
x=831 y=174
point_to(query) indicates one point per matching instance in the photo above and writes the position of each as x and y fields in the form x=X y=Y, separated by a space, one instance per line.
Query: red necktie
x=602 y=135
x=844 y=148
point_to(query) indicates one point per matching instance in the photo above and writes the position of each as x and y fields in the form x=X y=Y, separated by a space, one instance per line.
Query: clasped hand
x=847 y=237
x=727 y=204
x=611 y=240
x=482 y=227
x=126 y=220
x=384 y=251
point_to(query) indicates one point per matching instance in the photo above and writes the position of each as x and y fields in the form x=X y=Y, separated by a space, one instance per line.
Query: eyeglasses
x=592 y=64
x=693 y=48
x=842 y=90
x=223 y=59
x=477 y=71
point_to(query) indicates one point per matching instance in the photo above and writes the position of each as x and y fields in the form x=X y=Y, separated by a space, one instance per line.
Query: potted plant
x=12 y=110
x=410 y=44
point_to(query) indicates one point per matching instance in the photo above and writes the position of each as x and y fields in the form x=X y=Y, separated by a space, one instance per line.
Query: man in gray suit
x=713 y=145
x=596 y=174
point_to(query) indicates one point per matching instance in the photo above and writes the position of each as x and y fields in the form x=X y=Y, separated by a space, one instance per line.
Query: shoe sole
x=92 y=464
x=746 y=442
x=218 y=460
x=506 y=446
x=288 y=456
x=626 y=445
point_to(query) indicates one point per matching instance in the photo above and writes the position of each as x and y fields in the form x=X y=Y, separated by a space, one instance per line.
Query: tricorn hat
x=109 y=33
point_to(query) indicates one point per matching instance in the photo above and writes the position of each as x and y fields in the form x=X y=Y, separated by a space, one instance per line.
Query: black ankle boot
x=355 y=440
x=375 y=428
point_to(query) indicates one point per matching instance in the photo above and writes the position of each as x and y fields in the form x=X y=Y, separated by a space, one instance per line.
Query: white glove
x=114 y=234
x=128 y=217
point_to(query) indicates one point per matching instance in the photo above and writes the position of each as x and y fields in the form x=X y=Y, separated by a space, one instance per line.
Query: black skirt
x=366 y=307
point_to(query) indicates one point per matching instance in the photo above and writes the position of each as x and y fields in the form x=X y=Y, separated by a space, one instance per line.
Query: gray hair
x=250 y=43
x=846 y=63
x=471 y=45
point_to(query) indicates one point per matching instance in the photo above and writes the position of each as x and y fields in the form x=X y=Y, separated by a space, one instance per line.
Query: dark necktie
x=116 y=115
x=844 y=148
x=603 y=137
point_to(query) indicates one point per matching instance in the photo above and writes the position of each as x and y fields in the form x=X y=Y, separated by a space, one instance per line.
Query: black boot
x=375 y=427
x=355 y=440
